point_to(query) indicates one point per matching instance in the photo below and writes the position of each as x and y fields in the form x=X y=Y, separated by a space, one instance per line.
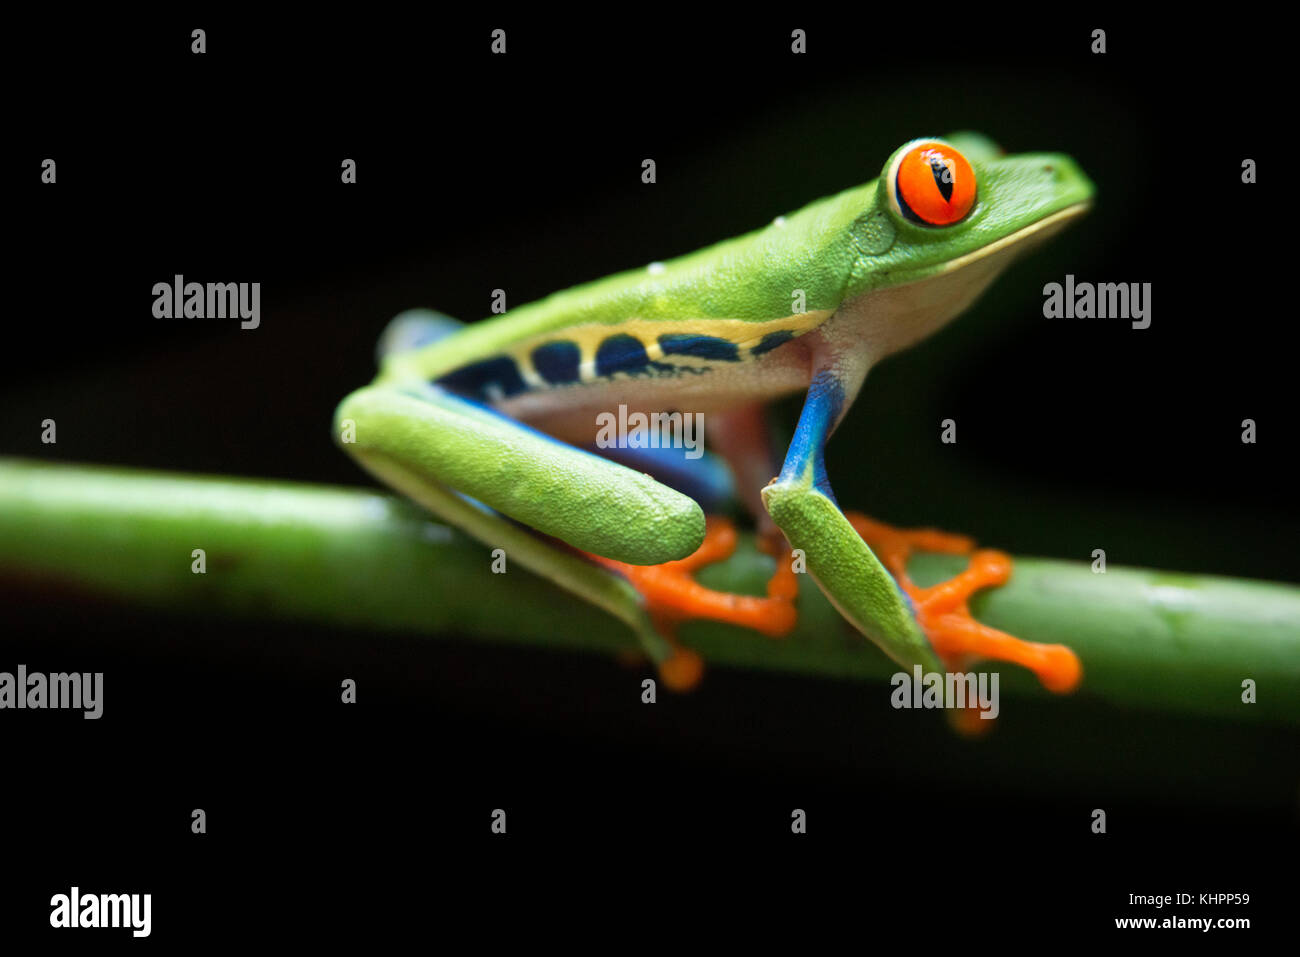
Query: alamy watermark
x=932 y=689
x=1101 y=300
x=76 y=909
x=656 y=430
x=83 y=691
x=179 y=299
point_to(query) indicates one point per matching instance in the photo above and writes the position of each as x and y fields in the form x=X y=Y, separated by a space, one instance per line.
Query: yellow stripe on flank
x=743 y=333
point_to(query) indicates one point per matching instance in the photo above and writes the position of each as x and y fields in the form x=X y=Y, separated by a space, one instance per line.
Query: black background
x=523 y=172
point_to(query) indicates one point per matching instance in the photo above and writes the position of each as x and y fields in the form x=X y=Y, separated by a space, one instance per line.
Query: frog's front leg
x=931 y=627
x=467 y=463
x=802 y=504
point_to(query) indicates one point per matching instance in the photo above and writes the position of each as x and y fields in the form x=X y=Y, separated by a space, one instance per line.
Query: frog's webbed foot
x=672 y=595
x=943 y=611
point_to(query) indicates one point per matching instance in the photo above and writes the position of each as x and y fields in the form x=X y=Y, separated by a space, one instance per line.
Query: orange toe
x=683 y=671
x=943 y=610
x=672 y=595
x=670 y=590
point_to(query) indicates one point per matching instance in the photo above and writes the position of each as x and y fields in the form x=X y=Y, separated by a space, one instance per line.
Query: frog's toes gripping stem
x=942 y=609
x=672 y=595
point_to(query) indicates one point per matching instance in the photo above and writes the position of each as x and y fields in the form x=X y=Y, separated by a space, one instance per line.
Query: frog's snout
x=1065 y=178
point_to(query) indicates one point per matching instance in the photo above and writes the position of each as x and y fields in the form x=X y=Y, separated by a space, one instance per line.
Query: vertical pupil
x=941 y=177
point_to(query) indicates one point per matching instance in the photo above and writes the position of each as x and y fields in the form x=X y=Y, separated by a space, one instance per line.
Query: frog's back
x=721 y=307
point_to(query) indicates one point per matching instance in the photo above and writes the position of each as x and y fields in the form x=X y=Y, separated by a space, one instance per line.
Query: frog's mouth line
x=1037 y=232
x=908 y=310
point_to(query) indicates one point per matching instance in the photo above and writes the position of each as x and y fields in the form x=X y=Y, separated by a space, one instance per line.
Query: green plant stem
x=350 y=557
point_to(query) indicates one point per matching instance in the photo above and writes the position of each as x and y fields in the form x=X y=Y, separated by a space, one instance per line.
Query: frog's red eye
x=932 y=183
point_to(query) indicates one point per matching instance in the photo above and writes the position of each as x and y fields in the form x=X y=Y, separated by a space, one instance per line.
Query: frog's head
x=946 y=217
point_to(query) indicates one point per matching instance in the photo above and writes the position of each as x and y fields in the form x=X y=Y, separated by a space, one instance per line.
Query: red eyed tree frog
x=490 y=425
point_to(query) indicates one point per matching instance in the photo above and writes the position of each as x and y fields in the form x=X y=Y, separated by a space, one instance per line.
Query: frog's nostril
x=1049 y=168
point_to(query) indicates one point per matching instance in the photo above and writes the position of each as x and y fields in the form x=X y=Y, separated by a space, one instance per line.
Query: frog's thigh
x=802 y=504
x=396 y=444
x=428 y=436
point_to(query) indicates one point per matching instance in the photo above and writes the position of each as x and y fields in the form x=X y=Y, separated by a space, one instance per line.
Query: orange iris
x=934 y=184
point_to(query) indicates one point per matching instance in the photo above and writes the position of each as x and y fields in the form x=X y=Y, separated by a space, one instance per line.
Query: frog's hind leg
x=477 y=469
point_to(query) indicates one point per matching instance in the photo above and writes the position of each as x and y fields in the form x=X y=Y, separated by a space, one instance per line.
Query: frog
x=491 y=425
